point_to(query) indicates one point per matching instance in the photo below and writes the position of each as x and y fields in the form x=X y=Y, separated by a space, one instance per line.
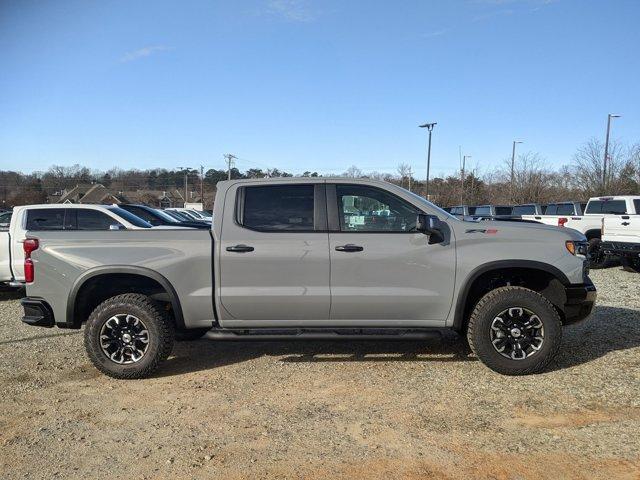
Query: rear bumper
x=37 y=312
x=623 y=249
x=580 y=300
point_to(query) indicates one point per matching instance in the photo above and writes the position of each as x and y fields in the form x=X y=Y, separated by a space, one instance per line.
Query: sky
x=312 y=85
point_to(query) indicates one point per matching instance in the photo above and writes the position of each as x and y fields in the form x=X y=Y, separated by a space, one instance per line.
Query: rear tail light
x=29 y=245
x=562 y=221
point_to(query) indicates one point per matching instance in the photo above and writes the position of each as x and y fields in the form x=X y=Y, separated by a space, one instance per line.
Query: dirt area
x=321 y=410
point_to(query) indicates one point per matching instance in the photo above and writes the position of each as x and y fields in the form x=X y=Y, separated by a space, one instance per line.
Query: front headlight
x=577 y=248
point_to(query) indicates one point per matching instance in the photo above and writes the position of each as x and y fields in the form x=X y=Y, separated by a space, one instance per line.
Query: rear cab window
x=524 y=210
x=615 y=207
x=566 y=209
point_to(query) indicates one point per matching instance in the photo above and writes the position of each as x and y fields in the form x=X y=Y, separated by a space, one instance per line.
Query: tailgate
x=625 y=228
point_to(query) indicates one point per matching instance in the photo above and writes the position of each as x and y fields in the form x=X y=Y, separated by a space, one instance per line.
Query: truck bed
x=179 y=258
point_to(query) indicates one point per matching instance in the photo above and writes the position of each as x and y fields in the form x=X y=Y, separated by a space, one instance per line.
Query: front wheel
x=514 y=331
x=597 y=258
x=128 y=336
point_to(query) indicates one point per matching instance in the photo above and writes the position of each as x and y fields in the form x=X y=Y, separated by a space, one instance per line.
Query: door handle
x=349 y=247
x=240 y=248
x=538 y=218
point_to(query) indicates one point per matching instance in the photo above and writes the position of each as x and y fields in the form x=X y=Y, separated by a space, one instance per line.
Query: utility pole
x=513 y=166
x=606 y=152
x=464 y=164
x=429 y=127
x=230 y=158
x=202 y=185
x=186 y=174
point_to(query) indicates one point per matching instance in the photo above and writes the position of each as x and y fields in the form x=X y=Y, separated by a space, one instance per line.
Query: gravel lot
x=322 y=410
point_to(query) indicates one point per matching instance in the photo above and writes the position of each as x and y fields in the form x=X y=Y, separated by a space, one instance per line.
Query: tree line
x=533 y=179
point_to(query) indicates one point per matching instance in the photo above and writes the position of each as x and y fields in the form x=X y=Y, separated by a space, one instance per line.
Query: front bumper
x=622 y=249
x=580 y=300
x=37 y=312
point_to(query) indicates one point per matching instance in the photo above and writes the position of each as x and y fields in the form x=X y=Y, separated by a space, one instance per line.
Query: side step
x=323 y=334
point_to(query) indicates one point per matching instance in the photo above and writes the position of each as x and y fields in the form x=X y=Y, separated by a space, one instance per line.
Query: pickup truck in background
x=590 y=221
x=621 y=238
x=312 y=258
x=48 y=217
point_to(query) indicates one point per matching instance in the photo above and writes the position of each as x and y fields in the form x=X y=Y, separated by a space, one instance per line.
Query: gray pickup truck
x=312 y=258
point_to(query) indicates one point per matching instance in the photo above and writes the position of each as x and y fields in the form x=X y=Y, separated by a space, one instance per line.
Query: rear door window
x=95 y=220
x=41 y=219
x=279 y=208
x=616 y=207
x=636 y=204
x=483 y=211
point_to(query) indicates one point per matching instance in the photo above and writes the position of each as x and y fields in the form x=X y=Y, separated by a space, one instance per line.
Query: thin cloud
x=292 y=10
x=143 y=52
x=436 y=33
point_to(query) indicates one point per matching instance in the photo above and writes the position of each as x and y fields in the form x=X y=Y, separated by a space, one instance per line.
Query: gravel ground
x=327 y=410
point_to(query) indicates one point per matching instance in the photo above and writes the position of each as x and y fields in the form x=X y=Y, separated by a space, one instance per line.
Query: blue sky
x=312 y=85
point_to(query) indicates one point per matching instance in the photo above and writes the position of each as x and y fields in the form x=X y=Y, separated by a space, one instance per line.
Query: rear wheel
x=631 y=264
x=514 y=331
x=128 y=336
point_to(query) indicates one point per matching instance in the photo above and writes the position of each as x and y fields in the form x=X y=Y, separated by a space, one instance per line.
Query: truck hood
x=516 y=230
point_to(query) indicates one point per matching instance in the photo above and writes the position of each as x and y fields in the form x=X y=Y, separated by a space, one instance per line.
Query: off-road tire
x=160 y=329
x=630 y=264
x=598 y=260
x=496 y=301
x=190 y=335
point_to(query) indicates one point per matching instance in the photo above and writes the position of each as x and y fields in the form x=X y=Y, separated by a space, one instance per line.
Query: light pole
x=464 y=163
x=513 y=166
x=428 y=126
x=606 y=151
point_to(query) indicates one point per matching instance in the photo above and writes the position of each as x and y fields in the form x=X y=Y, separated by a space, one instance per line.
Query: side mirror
x=430 y=225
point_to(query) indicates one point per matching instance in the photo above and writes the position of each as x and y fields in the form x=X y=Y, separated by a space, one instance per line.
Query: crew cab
x=49 y=217
x=312 y=258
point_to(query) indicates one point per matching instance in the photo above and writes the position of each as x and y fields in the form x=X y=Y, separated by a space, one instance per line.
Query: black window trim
x=333 y=209
x=319 y=208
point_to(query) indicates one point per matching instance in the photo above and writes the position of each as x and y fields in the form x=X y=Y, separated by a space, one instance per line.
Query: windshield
x=427 y=203
x=129 y=217
x=165 y=216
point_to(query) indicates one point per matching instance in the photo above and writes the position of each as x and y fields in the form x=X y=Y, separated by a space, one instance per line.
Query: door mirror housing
x=430 y=225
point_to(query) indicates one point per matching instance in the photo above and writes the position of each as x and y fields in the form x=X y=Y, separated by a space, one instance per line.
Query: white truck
x=54 y=217
x=589 y=223
x=621 y=238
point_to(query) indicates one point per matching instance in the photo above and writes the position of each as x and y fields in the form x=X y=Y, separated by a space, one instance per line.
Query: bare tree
x=353 y=172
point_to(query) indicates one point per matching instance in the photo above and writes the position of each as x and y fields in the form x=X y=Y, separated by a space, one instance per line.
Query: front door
x=274 y=255
x=381 y=268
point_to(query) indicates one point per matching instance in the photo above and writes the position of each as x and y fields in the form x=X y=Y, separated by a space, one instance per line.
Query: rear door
x=383 y=271
x=274 y=255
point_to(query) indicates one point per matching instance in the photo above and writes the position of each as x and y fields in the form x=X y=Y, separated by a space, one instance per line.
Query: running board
x=320 y=334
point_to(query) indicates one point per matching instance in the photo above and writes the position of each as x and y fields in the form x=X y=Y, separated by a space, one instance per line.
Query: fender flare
x=126 y=269
x=458 y=319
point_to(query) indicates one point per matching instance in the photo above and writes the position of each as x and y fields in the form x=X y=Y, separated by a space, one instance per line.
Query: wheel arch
x=593 y=233
x=545 y=277
x=134 y=279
